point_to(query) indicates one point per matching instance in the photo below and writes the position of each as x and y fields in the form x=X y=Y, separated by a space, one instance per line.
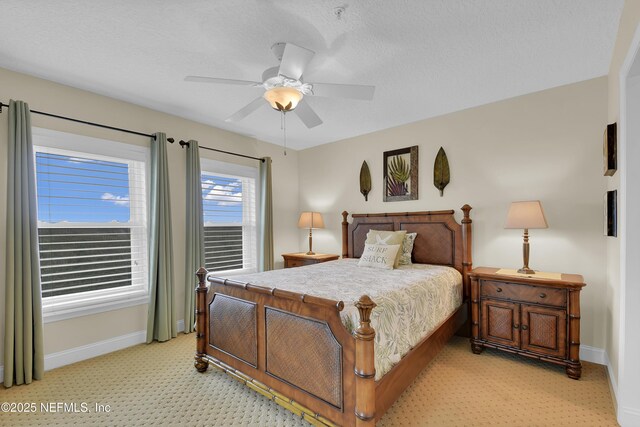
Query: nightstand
x=301 y=258
x=537 y=316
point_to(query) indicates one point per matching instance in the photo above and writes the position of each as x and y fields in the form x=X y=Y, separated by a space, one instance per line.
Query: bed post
x=365 y=369
x=345 y=235
x=201 y=363
x=467 y=263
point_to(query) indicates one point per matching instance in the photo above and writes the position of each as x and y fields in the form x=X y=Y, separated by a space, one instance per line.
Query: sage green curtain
x=161 y=321
x=194 y=253
x=265 y=247
x=23 y=338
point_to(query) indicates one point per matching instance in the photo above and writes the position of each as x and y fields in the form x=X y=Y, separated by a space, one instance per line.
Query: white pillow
x=382 y=237
x=378 y=256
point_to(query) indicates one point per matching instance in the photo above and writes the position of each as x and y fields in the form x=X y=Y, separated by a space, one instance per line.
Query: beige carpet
x=151 y=385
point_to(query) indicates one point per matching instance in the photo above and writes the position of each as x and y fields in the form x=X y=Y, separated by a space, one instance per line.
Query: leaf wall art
x=441 y=174
x=365 y=180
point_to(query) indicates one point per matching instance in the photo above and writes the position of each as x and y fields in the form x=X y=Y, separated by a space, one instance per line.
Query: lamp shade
x=310 y=220
x=283 y=95
x=527 y=214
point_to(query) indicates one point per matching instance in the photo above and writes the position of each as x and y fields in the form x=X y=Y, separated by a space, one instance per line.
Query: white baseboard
x=613 y=384
x=628 y=417
x=89 y=351
x=600 y=356
x=593 y=355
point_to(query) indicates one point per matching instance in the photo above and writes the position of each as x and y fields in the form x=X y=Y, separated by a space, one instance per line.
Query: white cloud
x=207 y=184
x=117 y=200
x=225 y=195
x=236 y=201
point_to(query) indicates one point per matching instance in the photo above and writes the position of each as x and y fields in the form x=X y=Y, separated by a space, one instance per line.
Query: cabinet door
x=544 y=330
x=500 y=322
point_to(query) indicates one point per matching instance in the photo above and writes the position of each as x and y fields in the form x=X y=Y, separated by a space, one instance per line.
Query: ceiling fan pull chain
x=284 y=131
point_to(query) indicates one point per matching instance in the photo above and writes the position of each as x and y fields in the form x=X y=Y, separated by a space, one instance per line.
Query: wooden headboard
x=440 y=240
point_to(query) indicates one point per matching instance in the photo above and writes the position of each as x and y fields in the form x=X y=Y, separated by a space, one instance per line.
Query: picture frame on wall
x=609 y=150
x=400 y=174
x=611 y=213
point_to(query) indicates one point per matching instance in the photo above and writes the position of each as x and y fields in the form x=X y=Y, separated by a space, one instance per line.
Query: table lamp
x=526 y=215
x=310 y=220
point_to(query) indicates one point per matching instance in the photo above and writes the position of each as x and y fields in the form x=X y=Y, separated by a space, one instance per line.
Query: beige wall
x=47 y=96
x=546 y=145
x=629 y=21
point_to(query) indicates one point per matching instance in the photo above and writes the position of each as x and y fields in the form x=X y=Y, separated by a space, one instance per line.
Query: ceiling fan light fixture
x=280 y=97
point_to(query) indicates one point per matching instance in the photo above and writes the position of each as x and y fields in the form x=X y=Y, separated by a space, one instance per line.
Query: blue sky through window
x=221 y=199
x=80 y=189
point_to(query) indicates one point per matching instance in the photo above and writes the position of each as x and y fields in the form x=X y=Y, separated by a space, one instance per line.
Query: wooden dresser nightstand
x=301 y=258
x=528 y=315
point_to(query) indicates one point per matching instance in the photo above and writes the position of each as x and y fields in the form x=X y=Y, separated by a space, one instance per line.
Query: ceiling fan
x=284 y=88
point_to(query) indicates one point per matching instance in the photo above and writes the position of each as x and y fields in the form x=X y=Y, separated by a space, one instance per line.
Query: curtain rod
x=42 y=113
x=184 y=143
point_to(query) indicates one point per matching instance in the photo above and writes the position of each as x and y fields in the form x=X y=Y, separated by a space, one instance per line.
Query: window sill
x=232 y=273
x=56 y=312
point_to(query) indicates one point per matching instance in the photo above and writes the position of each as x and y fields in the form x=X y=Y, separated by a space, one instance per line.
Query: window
x=229 y=213
x=92 y=221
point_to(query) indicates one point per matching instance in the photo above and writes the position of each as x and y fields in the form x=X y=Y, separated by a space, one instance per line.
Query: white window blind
x=229 y=213
x=92 y=224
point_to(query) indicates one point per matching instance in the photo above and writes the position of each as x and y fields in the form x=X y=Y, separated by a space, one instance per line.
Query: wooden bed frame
x=294 y=349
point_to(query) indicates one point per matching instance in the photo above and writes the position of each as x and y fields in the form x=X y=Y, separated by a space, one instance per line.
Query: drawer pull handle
x=499 y=290
x=516 y=326
x=525 y=327
x=543 y=295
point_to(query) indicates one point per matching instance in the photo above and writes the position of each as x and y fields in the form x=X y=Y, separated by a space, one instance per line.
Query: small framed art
x=609 y=150
x=400 y=174
x=611 y=213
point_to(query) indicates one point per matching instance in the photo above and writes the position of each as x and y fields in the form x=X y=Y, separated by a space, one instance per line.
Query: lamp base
x=526 y=270
x=310 y=253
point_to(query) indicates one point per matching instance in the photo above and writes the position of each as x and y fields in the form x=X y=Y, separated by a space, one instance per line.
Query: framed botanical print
x=609 y=150
x=611 y=213
x=400 y=174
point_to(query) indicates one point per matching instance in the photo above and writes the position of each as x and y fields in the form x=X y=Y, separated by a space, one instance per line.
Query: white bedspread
x=412 y=300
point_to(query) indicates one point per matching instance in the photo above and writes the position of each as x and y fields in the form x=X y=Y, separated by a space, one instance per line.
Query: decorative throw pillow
x=407 y=248
x=379 y=237
x=378 y=256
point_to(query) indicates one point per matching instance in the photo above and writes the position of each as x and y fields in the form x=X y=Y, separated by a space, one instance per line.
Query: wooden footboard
x=283 y=343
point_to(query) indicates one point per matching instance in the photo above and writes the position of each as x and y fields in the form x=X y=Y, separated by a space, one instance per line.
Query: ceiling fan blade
x=294 y=61
x=246 y=110
x=201 y=79
x=307 y=115
x=330 y=90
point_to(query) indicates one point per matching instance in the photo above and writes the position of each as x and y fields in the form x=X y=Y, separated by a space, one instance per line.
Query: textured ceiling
x=425 y=57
